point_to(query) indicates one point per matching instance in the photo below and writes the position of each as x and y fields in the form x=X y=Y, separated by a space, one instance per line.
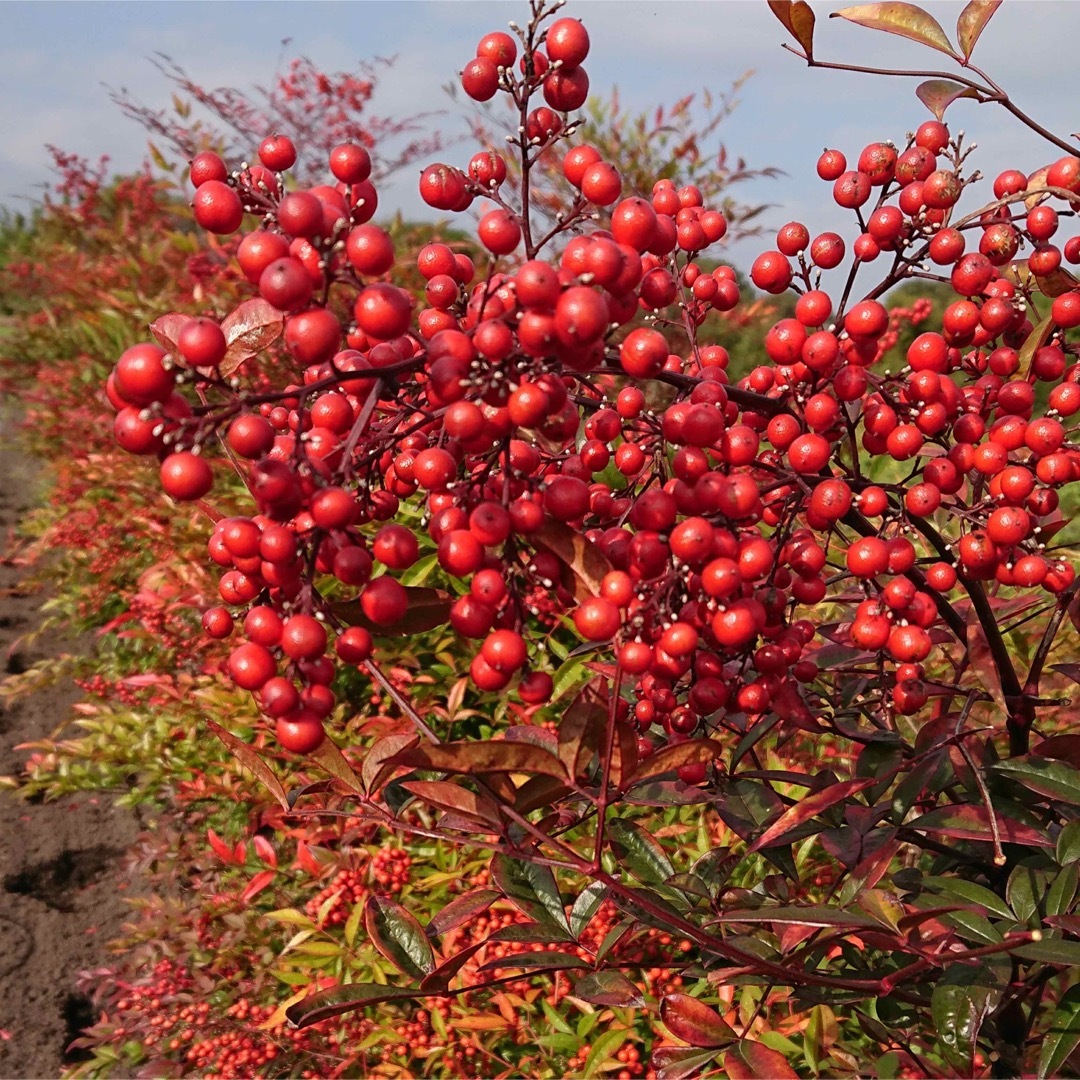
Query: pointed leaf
x=333 y=761
x=608 y=988
x=973 y=823
x=455 y=799
x=961 y=1000
x=460 y=910
x=427 y=609
x=671 y=758
x=969 y=892
x=554 y=961
x=695 y=1022
x=1062 y=1036
x=1055 y=780
x=251 y=761
x=938 y=94
x=540 y=791
x=811 y=915
x=476 y=758
x=810 y=807
x=586 y=906
x=798 y=18
x=375 y=770
x=972 y=22
x=679 y=1062
x=982 y=660
x=751 y=1060
x=883 y=906
x=639 y=851
x=904 y=20
x=256 y=885
x=249 y=329
x=398 y=936
x=440 y=978
x=603 y=1051
x=342 y=999
x=586 y=561
x=531 y=888
x=581 y=732
x=166 y=330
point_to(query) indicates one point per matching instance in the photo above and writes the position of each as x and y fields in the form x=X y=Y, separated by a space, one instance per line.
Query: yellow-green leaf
x=972 y=22
x=798 y=17
x=938 y=94
x=904 y=20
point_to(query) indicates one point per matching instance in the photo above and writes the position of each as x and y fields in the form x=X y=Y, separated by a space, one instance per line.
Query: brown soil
x=60 y=862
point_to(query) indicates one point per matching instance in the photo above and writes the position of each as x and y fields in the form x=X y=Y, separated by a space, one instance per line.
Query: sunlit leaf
x=333 y=761
x=669 y=758
x=810 y=807
x=798 y=18
x=972 y=22
x=581 y=732
x=904 y=20
x=166 y=331
x=585 y=907
x=249 y=329
x=251 y=761
x=398 y=936
x=938 y=94
x=694 y=1022
x=679 y=1062
x=460 y=910
x=973 y=823
x=476 y=758
x=553 y=961
x=375 y=770
x=343 y=999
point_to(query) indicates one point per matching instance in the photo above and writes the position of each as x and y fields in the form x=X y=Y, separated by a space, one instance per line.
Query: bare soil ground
x=61 y=863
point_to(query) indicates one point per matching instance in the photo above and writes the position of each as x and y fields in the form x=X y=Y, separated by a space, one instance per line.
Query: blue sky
x=56 y=60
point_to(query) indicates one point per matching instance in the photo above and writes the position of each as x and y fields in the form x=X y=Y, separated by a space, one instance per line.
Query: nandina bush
x=811 y=724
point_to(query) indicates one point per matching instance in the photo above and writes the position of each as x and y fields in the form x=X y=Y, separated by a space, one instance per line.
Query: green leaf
x=1025 y=887
x=1062 y=1036
x=603 y=1048
x=903 y=20
x=398 y=936
x=639 y=851
x=969 y=892
x=342 y=999
x=1045 y=776
x=972 y=22
x=1054 y=951
x=798 y=18
x=610 y=989
x=1068 y=844
x=531 y=888
x=585 y=907
x=938 y=94
x=961 y=1001
x=1062 y=891
x=694 y=1022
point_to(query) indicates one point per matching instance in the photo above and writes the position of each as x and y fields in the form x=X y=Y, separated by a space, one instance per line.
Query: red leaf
x=342 y=999
x=251 y=760
x=167 y=331
x=581 y=731
x=972 y=22
x=695 y=1022
x=938 y=94
x=982 y=660
x=427 y=609
x=750 y=1060
x=903 y=20
x=455 y=799
x=584 y=558
x=249 y=329
x=671 y=758
x=461 y=910
x=798 y=17
x=476 y=758
x=375 y=770
x=810 y=807
x=333 y=761
x=973 y=823
x=223 y=850
x=265 y=850
x=256 y=885
x=306 y=860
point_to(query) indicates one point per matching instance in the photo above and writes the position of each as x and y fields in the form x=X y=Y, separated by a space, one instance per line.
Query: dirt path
x=59 y=861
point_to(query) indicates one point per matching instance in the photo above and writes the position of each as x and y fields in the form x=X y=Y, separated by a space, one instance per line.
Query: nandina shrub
x=821 y=610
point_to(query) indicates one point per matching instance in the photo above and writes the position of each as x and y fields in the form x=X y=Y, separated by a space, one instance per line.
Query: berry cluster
x=576 y=451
